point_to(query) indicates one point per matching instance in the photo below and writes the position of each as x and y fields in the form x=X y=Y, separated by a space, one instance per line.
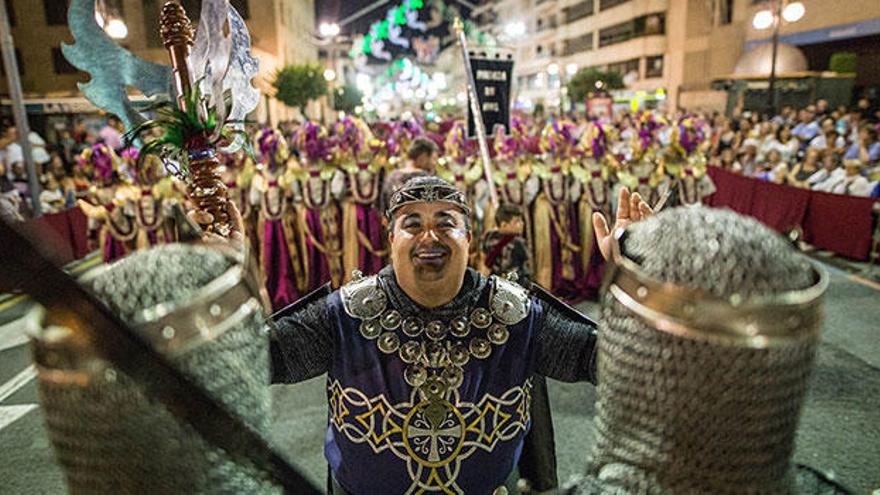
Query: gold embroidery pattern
x=432 y=438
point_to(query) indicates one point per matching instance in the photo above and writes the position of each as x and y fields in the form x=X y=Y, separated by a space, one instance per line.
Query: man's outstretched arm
x=565 y=345
x=301 y=339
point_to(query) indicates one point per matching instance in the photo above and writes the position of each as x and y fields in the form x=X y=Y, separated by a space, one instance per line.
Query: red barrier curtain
x=837 y=223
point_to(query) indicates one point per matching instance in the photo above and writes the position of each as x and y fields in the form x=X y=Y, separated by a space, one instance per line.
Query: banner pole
x=479 y=125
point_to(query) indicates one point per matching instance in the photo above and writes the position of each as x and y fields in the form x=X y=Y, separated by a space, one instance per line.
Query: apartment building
x=281 y=33
x=670 y=49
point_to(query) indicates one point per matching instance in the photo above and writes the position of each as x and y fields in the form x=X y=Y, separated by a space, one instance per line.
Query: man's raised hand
x=630 y=209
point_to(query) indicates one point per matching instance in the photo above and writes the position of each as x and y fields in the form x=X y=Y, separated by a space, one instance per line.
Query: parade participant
x=364 y=160
x=238 y=173
x=595 y=173
x=460 y=168
x=421 y=160
x=322 y=184
x=685 y=161
x=280 y=252
x=514 y=181
x=110 y=207
x=557 y=237
x=150 y=210
x=429 y=362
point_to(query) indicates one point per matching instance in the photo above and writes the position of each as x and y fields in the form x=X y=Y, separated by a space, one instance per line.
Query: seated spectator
x=801 y=173
x=777 y=169
x=867 y=148
x=749 y=157
x=807 y=127
x=52 y=196
x=727 y=161
x=828 y=175
x=787 y=144
x=828 y=138
x=854 y=183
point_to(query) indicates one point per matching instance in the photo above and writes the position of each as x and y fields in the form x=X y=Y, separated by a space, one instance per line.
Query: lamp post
x=781 y=10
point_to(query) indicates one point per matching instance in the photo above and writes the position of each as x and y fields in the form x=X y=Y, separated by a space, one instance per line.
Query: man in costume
x=364 y=160
x=280 y=256
x=428 y=363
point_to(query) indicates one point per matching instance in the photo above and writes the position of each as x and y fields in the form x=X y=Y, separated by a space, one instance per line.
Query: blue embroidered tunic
x=387 y=436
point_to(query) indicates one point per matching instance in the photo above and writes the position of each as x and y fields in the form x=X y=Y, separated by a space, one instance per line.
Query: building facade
x=676 y=46
x=280 y=34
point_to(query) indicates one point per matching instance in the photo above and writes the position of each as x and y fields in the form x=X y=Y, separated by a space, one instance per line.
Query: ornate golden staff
x=206 y=187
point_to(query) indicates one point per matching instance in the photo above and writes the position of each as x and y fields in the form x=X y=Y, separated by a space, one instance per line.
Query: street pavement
x=839 y=431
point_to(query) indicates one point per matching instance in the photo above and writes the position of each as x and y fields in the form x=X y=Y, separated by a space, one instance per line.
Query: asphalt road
x=839 y=432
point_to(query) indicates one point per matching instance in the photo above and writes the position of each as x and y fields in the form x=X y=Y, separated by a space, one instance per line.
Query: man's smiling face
x=429 y=242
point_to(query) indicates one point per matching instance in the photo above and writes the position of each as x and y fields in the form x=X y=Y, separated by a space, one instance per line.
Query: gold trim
x=756 y=322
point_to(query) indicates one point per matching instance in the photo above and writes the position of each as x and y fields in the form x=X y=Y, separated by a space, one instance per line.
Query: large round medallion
x=453 y=376
x=481 y=318
x=433 y=433
x=410 y=352
x=459 y=354
x=388 y=342
x=415 y=375
x=459 y=327
x=370 y=329
x=363 y=300
x=412 y=327
x=480 y=348
x=391 y=320
x=497 y=334
x=435 y=330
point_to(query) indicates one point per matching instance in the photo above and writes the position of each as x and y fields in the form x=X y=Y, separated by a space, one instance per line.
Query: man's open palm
x=630 y=208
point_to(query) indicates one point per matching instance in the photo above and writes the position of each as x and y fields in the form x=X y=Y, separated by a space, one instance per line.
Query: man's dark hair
x=507 y=212
x=420 y=147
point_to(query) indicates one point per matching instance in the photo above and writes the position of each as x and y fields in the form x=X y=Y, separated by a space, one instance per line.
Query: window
x=56 y=12
x=646 y=25
x=607 y=4
x=626 y=67
x=578 y=11
x=726 y=15
x=654 y=66
x=576 y=45
x=60 y=64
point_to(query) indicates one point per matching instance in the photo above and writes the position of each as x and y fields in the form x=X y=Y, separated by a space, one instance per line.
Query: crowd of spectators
x=819 y=148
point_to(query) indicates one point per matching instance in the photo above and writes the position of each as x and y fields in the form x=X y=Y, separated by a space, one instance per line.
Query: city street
x=840 y=430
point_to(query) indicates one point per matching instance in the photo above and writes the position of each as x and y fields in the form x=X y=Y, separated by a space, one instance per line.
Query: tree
x=297 y=85
x=590 y=80
x=844 y=62
x=347 y=98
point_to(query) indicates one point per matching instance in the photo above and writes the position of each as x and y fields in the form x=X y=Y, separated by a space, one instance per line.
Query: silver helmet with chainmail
x=201 y=309
x=710 y=324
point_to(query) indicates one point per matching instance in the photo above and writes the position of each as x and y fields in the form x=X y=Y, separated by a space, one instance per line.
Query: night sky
x=336 y=10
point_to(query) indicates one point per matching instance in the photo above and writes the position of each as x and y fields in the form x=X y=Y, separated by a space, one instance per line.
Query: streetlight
x=783 y=10
x=515 y=29
x=328 y=29
x=116 y=28
x=329 y=75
